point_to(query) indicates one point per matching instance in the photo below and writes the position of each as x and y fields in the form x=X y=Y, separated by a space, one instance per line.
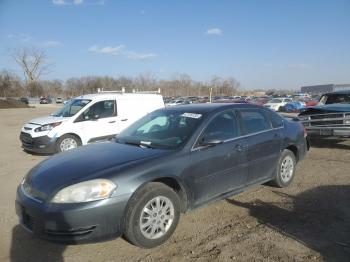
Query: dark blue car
x=169 y=162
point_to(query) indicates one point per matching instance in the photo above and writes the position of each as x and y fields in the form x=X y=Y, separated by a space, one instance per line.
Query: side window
x=99 y=110
x=276 y=119
x=254 y=121
x=223 y=127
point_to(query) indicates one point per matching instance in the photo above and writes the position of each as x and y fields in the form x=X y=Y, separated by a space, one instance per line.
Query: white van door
x=99 y=121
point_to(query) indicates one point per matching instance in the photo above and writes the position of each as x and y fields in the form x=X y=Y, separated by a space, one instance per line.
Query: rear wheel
x=285 y=169
x=67 y=142
x=152 y=215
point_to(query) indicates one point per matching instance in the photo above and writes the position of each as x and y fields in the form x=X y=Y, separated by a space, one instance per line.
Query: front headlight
x=87 y=191
x=47 y=127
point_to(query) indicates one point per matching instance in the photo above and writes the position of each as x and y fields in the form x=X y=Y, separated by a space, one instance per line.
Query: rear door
x=221 y=168
x=263 y=144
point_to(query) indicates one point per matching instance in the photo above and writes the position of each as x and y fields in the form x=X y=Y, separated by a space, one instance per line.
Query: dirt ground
x=309 y=221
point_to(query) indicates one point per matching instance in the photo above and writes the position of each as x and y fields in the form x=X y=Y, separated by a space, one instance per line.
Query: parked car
x=86 y=119
x=276 y=104
x=24 y=100
x=172 y=160
x=59 y=100
x=178 y=102
x=45 y=100
x=293 y=107
x=330 y=118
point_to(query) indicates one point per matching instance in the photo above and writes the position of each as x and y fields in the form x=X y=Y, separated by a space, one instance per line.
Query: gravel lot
x=309 y=221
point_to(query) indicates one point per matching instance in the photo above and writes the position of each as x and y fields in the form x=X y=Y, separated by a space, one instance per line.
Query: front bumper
x=336 y=132
x=72 y=223
x=41 y=144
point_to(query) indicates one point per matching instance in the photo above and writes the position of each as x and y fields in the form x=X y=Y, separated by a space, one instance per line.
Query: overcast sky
x=263 y=44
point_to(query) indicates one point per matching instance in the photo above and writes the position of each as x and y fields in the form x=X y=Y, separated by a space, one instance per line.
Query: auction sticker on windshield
x=192 y=115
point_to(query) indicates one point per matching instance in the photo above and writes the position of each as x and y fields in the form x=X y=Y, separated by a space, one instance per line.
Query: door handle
x=111 y=122
x=238 y=148
x=125 y=119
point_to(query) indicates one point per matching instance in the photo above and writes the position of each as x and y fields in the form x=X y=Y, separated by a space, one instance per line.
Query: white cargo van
x=86 y=119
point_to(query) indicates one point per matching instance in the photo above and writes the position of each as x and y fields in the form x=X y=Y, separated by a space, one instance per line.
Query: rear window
x=254 y=121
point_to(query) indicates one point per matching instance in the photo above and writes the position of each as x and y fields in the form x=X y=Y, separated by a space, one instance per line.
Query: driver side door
x=222 y=167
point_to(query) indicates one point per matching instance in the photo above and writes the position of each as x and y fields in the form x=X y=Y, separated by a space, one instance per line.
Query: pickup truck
x=330 y=118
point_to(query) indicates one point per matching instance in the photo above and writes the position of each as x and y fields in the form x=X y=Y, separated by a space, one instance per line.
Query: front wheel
x=67 y=142
x=152 y=215
x=285 y=169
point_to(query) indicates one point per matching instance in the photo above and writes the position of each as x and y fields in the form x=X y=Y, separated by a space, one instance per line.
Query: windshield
x=71 y=108
x=161 y=129
x=276 y=100
x=335 y=99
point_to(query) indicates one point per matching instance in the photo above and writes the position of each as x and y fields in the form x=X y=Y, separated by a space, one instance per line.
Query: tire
x=284 y=177
x=136 y=218
x=60 y=147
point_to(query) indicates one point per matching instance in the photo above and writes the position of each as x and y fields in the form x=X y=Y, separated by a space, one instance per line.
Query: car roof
x=112 y=95
x=345 y=92
x=209 y=107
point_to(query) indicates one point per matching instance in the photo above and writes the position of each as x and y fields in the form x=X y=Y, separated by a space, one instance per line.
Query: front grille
x=26 y=139
x=327 y=123
x=71 y=232
x=323 y=116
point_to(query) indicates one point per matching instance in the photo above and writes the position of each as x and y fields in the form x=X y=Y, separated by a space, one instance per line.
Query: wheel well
x=75 y=135
x=173 y=183
x=294 y=149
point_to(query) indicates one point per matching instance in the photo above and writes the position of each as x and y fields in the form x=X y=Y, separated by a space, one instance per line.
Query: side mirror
x=210 y=142
x=95 y=117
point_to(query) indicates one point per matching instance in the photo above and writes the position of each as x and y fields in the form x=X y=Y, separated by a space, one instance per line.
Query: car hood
x=331 y=108
x=85 y=163
x=47 y=120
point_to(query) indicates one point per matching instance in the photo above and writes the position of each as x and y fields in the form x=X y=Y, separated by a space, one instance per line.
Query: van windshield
x=71 y=108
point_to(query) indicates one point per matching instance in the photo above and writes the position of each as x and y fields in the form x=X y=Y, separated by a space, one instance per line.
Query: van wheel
x=67 y=142
x=285 y=169
x=152 y=215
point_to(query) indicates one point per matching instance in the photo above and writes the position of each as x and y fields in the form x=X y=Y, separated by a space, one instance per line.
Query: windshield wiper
x=137 y=143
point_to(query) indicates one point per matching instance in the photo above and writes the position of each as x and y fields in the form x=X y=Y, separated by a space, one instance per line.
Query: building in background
x=321 y=89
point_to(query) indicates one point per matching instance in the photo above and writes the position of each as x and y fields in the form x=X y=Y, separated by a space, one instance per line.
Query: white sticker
x=192 y=115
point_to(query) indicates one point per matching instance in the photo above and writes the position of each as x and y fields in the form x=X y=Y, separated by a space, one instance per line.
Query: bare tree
x=5 y=83
x=10 y=85
x=34 y=64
